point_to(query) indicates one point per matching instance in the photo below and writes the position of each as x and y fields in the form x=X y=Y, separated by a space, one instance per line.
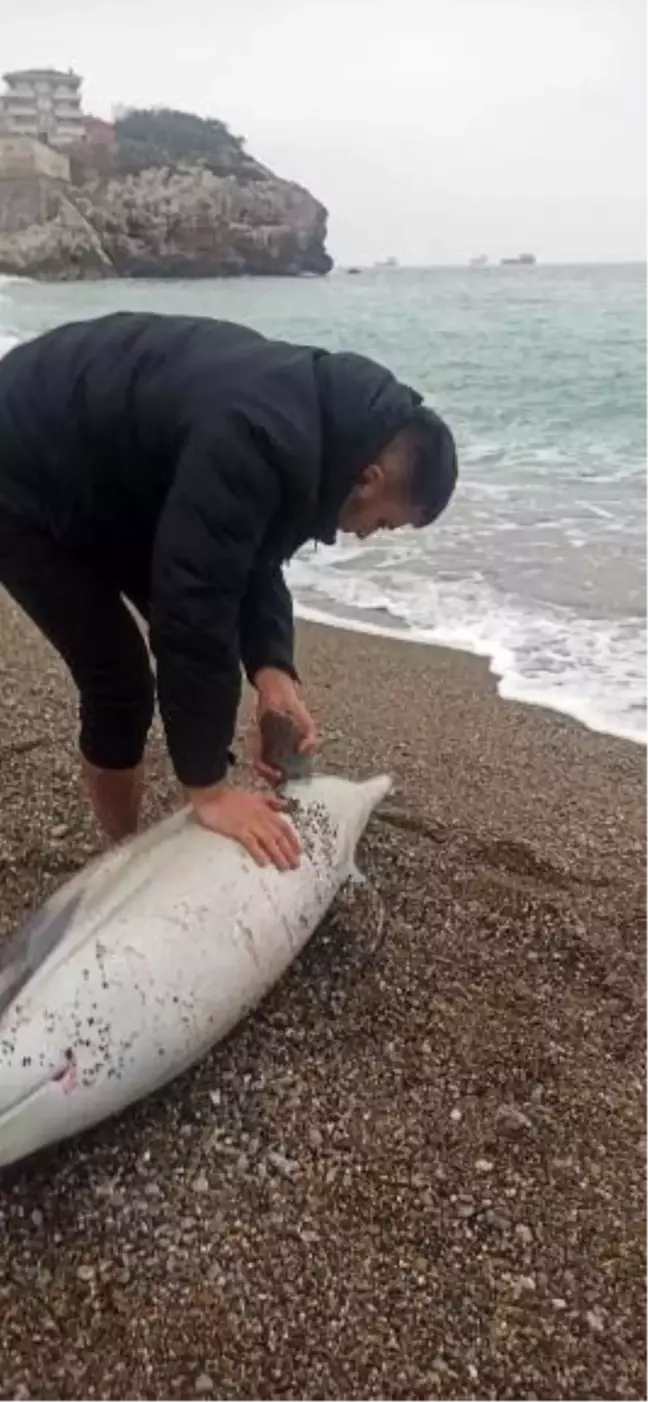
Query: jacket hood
x=362 y=407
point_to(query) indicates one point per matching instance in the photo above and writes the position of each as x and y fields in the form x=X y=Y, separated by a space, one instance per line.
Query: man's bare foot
x=115 y=795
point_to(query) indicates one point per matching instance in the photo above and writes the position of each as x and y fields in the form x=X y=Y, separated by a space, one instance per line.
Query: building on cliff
x=45 y=104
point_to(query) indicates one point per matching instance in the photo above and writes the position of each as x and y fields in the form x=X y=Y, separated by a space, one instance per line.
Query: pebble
x=60 y=830
x=455 y=1115
x=466 y=1210
x=595 y=1321
x=85 y=1272
x=286 y=1167
x=200 y=1184
x=484 y=1165
x=204 y=1383
x=524 y=1234
x=308 y=1236
x=513 y=1118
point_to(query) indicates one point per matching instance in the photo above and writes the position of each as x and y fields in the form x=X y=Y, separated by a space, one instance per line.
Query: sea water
x=539 y=563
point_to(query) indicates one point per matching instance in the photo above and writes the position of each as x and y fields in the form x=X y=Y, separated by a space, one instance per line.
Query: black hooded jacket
x=186 y=459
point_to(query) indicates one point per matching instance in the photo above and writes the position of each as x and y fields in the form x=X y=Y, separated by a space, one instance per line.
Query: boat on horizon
x=523 y=259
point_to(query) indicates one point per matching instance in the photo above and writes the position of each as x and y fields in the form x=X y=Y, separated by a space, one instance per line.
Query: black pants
x=83 y=614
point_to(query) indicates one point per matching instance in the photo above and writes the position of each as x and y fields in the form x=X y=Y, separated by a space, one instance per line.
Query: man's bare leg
x=115 y=795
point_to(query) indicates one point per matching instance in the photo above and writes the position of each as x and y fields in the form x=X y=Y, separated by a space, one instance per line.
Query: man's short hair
x=432 y=462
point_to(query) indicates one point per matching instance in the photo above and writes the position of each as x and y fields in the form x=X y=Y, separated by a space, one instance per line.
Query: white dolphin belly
x=144 y=960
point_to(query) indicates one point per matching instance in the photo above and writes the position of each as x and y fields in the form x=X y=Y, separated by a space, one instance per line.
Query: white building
x=43 y=103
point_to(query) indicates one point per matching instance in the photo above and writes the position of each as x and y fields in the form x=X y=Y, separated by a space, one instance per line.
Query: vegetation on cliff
x=164 y=137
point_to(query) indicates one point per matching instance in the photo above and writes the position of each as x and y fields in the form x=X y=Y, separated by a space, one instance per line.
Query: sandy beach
x=418 y=1170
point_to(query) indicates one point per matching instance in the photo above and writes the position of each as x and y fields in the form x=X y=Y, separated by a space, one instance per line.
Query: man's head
x=408 y=484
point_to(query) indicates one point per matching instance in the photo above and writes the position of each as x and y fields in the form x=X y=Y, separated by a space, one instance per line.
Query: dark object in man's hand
x=280 y=746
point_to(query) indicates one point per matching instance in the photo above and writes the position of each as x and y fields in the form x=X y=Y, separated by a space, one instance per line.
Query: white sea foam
x=592 y=669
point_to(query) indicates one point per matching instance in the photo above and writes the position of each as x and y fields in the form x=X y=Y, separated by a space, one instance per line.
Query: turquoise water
x=540 y=562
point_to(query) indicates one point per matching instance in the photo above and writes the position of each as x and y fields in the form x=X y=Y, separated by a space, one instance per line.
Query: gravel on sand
x=418 y=1170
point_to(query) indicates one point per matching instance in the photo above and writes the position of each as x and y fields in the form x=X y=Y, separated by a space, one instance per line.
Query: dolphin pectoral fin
x=39 y=1109
x=21 y=1127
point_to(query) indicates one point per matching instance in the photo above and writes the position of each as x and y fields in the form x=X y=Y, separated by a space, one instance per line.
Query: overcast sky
x=432 y=129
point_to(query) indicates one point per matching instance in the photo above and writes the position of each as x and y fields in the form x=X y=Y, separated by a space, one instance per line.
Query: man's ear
x=372 y=475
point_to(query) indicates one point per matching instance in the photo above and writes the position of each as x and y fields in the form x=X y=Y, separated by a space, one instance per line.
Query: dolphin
x=151 y=954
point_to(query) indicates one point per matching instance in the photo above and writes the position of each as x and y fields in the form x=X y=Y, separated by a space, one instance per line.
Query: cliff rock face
x=189 y=222
x=178 y=197
x=43 y=234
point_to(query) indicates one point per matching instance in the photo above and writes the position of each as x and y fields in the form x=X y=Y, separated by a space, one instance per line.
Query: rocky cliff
x=178 y=197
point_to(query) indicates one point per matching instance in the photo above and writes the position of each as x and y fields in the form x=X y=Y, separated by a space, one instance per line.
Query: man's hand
x=255 y=820
x=278 y=692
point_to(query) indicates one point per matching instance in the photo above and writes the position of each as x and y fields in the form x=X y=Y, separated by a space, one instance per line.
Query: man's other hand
x=279 y=693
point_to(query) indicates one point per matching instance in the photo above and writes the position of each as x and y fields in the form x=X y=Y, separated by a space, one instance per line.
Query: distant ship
x=387 y=263
x=481 y=261
x=527 y=259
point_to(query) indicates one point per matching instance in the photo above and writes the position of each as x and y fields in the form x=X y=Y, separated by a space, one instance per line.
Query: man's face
x=377 y=504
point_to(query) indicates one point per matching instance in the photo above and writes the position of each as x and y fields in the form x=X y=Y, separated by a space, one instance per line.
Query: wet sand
x=418 y=1170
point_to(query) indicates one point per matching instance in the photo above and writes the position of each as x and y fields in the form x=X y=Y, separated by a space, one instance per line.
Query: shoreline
x=428 y=1148
x=509 y=688
x=399 y=695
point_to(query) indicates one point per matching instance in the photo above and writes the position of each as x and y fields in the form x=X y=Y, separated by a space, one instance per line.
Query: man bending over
x=176 y=463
